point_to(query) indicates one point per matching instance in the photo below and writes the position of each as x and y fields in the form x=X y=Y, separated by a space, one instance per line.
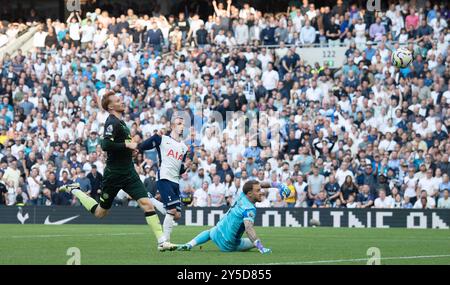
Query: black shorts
x=170 y=194
x=116 y=179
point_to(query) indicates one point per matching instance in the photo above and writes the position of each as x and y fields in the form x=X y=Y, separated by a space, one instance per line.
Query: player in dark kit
x=119 y=172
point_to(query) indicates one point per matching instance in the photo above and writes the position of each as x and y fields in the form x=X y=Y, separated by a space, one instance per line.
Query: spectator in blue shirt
x=364 y=198
x=253 y=151
x=154 y=37
x=268 y=35
x=444 y=185
x=370 y=51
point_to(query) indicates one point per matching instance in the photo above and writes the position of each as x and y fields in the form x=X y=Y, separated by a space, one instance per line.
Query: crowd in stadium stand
x=365 y=135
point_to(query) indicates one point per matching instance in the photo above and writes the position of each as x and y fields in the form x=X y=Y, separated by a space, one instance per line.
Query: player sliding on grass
x=119 y=172
x=172 y=153
x=227 y=234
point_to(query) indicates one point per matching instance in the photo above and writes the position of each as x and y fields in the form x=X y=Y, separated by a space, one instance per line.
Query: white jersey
x=171 y=154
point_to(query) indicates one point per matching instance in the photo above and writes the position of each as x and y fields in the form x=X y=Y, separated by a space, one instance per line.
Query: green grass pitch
x=126 y=244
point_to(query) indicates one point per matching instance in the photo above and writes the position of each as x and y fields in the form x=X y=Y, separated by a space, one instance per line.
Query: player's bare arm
x=251 y=233
x=250 y=230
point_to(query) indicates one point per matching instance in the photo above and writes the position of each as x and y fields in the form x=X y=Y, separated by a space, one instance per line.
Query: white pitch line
x=355 y=260
x=80 y=235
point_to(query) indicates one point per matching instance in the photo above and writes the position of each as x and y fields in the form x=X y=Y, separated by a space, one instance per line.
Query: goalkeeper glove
x=261 y=248
x=284 y=190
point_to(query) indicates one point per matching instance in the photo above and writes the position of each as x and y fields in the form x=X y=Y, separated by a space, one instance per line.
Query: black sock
x=149 y=214
x=93 y=208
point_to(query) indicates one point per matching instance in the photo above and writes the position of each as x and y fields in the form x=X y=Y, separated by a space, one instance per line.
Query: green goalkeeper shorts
x=116 y=179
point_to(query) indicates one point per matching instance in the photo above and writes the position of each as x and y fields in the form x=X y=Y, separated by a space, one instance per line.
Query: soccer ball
x=314 y=223
x=402 y=57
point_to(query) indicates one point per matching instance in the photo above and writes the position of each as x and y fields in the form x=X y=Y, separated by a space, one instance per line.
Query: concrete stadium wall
x=24 y=42
x=334 y=56
x=266 y=217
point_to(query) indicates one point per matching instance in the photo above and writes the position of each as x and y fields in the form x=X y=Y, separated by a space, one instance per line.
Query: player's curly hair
x=106 y=99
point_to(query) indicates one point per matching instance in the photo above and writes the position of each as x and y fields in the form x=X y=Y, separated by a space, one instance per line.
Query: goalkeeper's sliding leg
x=244 y=245
x=201 y=238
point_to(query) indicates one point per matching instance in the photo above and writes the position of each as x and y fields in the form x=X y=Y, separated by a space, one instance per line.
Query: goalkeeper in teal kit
x=227 y=234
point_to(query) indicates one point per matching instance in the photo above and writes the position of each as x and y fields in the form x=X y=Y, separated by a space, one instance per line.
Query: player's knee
x=146 y=205
x=100 y=214
x=176 y=215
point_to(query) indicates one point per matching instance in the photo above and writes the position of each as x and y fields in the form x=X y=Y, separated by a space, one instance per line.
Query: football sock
x=245 y=245
x=89 y=203
x=201 y=238
x=153 y=221
x=158 y=206
x=168 y=225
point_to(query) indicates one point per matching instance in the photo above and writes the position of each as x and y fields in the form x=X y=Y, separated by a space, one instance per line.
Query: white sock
x=161 y=239
x=158 y=206
x=167 y=226
x=192 y=243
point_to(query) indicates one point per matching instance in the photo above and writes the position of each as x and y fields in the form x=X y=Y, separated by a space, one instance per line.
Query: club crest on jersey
x=175 y=155
x=109 y=130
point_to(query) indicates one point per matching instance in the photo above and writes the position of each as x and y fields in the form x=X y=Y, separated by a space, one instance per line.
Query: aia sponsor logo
x=175 y=154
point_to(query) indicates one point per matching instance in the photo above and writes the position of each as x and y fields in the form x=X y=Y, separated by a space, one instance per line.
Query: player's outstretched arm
x=251 y=233
x=150 y=143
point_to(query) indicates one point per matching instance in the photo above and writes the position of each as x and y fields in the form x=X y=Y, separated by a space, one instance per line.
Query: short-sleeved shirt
x=364 y=199
x=202 y=197
x=332 y=188
x=231 y=226
x=442 y=203
x=316 y=182
x=216 y=192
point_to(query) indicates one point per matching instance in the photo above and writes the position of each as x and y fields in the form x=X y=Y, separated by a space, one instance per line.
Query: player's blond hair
x=107 y=99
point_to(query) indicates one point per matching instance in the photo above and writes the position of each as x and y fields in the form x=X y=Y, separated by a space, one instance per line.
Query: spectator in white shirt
x=388 y=144
x=383 y=201
x=216 y=193
x=39 y=38
x=233 y=192
x=270 y=78
x=265 y=58
x=88 y=32
x=307 y=34
x=34 y=185
x=246 y=11
x=410 y=183
x=74 y=27
x=425 y=201
x=428 y=184
x=314 y=93
x=342 y=173
x=312 y=12
x=265 y=203
x=241 y=33
x=201 y=195
x=12 y=174
x=438 y=24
